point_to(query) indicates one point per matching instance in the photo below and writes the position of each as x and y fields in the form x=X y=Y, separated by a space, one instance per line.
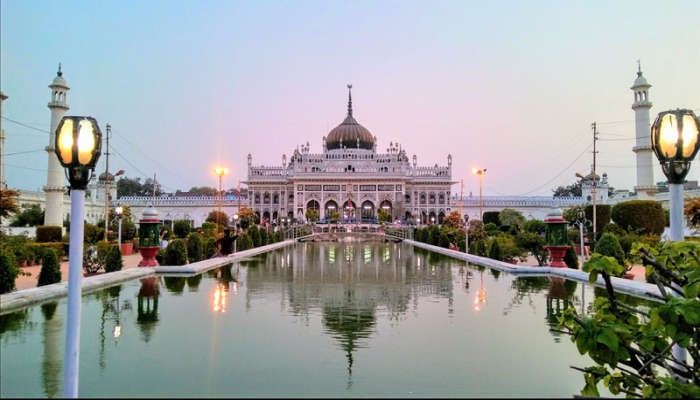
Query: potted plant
x=91 y=261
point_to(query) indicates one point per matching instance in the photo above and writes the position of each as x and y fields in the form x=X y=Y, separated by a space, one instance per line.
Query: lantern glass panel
x=65 y=141
x=689 y=135
x=668 y=136
x=86 y=142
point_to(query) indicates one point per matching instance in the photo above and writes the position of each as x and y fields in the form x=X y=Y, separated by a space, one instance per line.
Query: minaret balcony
x=48 y=188
x=641 y=104
x=644 y=147
x=58 y=104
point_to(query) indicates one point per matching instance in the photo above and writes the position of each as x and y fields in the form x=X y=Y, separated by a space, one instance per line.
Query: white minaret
x=645 y=187
x=55 y=185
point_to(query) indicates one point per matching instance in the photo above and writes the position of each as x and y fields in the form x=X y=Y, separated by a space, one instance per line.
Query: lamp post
x=674 y=139
x=580 y=220
x=119 y=210
x=77 y=146
x=480 y=172
x=220 y=171
x=235 y=225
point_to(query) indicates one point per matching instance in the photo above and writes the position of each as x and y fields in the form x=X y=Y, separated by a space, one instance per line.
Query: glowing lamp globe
x=674 y=139
x=77 y=146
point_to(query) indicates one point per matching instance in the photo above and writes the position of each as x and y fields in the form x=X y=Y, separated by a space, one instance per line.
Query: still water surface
x=369 y=319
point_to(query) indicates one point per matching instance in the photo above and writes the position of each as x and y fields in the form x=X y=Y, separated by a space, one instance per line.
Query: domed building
x=351 y=178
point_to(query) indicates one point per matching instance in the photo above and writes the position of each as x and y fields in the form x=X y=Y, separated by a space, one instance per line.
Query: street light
x=674 y=139
x=480 y=172
x=119 y=210
x=77 y=146
x=220 y=171
x=580 y=220
x=235 y=225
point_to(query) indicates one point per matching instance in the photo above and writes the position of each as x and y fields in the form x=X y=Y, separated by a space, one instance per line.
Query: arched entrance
x=386 y=206
x=408 y=216
x=441 y=216
x=331 y=207
x=266 y=217
x=257 y=217
x=423 y=217
x=274 y=216
x=349 y=210
x=367 y=210
x=313 y=204
x=432 y=218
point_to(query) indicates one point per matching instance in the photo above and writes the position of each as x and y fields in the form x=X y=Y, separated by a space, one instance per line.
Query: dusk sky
x=508 y=86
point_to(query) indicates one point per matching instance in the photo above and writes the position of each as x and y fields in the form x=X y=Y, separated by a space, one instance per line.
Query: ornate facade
x=352 y=178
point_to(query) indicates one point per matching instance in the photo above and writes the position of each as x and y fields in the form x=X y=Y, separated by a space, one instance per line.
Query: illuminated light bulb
x=86 y=141
x=65 y=141
x=668 y=135
x=689 y=135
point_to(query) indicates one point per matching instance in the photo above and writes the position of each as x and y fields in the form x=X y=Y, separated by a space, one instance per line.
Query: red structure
x=557 y=238
x=149 y=237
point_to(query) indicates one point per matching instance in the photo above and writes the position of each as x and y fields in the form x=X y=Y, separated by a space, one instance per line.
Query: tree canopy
x=133 y=187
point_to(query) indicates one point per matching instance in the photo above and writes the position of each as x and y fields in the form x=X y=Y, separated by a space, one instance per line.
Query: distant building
x=351 y=177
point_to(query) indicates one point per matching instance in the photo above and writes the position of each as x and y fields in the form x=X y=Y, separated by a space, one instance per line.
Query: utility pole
x=154 y=190
x=595 y=181
x=109 y=132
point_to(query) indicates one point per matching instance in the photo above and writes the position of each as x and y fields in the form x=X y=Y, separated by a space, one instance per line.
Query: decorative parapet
x=192 y=201
x=520 y=201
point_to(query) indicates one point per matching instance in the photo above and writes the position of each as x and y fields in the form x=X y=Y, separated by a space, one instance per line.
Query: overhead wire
x=560 y=172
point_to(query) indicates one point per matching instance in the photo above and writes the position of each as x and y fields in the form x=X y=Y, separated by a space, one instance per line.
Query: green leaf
x=691 y=290
x=608 y=338
x=593 y=276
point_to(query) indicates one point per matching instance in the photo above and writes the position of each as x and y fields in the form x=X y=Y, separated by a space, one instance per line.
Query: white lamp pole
x=77 y=146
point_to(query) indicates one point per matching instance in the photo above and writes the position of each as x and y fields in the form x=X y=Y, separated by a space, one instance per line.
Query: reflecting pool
x=333 y=319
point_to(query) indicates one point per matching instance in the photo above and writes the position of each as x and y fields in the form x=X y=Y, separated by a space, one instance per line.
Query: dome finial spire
x=349 y=99
x=59 y=73
x=639 y=68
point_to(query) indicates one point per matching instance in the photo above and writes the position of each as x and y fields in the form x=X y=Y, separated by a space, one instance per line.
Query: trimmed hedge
x=244 y=242
x=570 y=257
x=48 y=233
x=50 y=269
x=640 y=216
x=8 y=271
x=59 y=248
x=181 y=228
x=195 y=248
x=176 y=253
x=608 y=245
x=114 y=262
x=495 y=251
x=492 y=217
x=602 y=215
x=209 y=247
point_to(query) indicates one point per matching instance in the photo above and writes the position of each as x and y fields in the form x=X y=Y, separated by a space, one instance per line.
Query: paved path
x=30 y=281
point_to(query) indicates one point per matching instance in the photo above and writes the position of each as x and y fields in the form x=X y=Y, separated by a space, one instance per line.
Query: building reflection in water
x=349 y=284
x=51 y=365
x=147 y=307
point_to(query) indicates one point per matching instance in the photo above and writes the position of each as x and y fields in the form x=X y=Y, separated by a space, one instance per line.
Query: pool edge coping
x=13 y=301
x=634 y=288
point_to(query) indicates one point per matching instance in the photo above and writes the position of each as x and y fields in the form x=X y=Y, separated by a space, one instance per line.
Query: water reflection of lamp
x=480 y=297
x=219 y=301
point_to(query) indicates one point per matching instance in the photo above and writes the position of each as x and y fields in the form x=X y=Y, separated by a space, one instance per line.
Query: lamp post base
x=148 y=255
x=556 y=254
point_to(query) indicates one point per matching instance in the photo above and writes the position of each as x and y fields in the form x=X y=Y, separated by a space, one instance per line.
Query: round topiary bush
x=608 y=245
x=264 y=237
x=443 y=239
x=181 y=228
x=209 y=247
x=50 y=269
x=8 y=271
x=113 y=261
x=254 y=234
x=160 y=256
x=48 y=233
x=195 y=248
x=244 y=242
x=570 y=257
x=492 y=217
x=640 y=216
x=176 y=253
x=495 y=251
x=615 y=229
